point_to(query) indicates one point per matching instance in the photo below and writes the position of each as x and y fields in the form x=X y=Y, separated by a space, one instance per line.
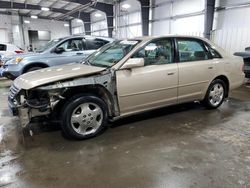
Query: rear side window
x=94 y=44
x=72 y=45
x=192 y=50
x=213 y=52
x=3 y=47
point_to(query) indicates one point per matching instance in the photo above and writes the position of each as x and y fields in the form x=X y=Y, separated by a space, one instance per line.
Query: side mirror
x=133 y=62
x=59 y=50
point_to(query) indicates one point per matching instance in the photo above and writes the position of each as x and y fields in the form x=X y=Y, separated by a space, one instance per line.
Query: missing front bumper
x=23 y=114
x=12 y=107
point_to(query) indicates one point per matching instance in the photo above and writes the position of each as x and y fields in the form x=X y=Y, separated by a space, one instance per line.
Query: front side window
x=191 y=50
x=112 y=53
x=72 y=45
x=156 y=53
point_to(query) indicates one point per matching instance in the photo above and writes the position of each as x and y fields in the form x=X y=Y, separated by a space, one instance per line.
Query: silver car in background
x=72 y=49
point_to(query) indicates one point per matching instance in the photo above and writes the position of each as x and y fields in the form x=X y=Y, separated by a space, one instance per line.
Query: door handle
x=79 y=53
x=210 y=67
x=170 y=73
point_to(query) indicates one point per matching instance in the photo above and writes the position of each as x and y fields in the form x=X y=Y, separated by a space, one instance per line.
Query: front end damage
x=43 y=100
x=28 y=104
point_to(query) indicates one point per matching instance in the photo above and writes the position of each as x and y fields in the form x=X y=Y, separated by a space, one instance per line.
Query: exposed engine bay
x=41 y=101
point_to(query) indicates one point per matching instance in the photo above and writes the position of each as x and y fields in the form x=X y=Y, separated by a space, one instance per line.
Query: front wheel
x=33 y=69
x=215 y=94
x=84 y=117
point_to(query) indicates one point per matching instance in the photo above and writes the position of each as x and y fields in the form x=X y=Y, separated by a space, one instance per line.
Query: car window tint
x=72 y=45
x=191 y=50
x=94 y=44
x=2 y=47
x=156 y=53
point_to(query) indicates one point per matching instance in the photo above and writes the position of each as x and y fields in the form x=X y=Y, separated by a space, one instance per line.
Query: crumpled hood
x=52 y=74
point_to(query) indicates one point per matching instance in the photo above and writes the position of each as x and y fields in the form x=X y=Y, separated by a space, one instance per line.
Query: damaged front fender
x=105 y=80
x=44 y=100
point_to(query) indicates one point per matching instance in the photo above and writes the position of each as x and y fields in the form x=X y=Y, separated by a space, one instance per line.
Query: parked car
x=124 y=78
x=56 y=52
x=7 y=49
x=1 y=64
x=246 y=56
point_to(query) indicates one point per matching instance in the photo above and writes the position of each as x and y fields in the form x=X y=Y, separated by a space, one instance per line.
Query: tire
x=215 y=94
x=84 y=116
x=33 y=69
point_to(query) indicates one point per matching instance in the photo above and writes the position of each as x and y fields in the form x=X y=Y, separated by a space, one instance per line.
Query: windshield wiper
x=86 y=62
x=100 y=65
x=96 y=64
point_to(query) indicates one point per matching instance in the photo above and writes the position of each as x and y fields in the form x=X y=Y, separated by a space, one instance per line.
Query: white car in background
x=7 y=49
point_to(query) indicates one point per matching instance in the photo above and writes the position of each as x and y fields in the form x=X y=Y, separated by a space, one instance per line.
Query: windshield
x=112 y=53
x=48 y=45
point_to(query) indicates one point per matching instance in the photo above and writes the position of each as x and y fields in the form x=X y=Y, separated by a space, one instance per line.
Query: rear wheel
x=84 y=117
x=215 y=94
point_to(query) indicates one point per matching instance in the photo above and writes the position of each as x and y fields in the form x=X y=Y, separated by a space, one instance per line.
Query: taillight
x=19 y=51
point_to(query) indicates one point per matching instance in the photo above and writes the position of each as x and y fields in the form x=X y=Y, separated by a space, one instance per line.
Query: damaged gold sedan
x=124 y=78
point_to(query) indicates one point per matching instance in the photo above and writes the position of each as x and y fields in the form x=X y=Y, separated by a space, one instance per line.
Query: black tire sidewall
x=207 y=101
x=70 y=106
x=33 y=69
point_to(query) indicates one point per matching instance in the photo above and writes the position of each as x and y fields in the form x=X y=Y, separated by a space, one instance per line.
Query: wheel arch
x=226 y=81
x=36 y=64
x=94 y=90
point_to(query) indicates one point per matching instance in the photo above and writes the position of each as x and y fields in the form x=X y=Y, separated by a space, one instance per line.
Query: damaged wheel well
x=94 y=90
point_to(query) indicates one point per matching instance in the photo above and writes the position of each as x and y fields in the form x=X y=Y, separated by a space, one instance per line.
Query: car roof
x=87 y=37
x=148 y=38
x=167 y=36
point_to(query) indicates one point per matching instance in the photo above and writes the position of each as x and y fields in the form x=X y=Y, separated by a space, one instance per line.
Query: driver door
x=73 y=52
x=153 y=85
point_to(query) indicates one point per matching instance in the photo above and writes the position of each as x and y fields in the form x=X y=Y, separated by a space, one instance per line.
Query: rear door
x=196 y=69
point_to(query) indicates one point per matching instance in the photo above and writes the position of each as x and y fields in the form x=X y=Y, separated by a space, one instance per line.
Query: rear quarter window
x=95 y=44
x=213 y=52
x=3 y=47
